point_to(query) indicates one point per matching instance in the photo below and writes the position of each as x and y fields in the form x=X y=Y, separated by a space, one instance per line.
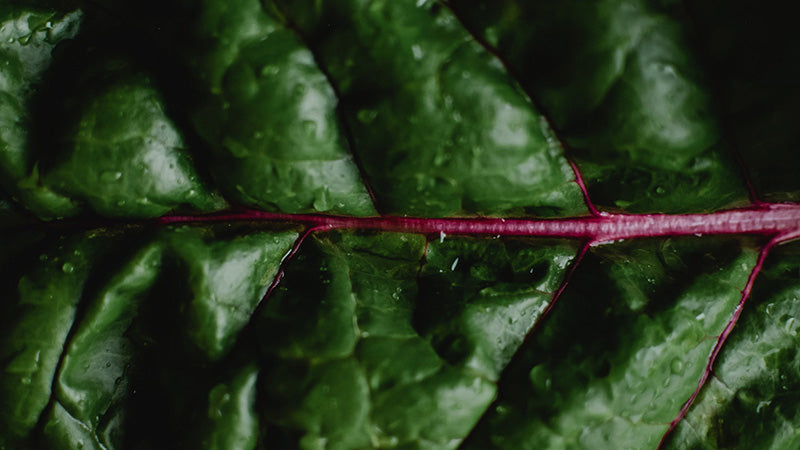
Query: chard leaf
x=397 y=224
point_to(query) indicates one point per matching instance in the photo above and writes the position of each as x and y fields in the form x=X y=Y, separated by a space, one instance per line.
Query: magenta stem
x=770 y=219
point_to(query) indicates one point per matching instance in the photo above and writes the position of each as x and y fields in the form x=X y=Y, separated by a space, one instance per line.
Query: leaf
x=395 y=224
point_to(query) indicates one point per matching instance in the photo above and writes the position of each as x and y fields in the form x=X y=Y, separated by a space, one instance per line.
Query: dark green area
x=28 y=36
x=136 y=336
x=439 y=126
x=624 y=348
x=364 y=350
x=752 y=54
x=752 y=400
x=89 y=319
x=36 y=320
x=624 y=87
x=267 y=113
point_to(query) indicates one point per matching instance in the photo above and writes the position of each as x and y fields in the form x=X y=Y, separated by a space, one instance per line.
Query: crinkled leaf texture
x=405 y=224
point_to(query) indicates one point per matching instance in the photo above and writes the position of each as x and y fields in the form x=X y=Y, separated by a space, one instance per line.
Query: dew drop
x=790 y=328
x=322 y=200
x=300 y=90
x=676 y=366
x=310 y=126
x=270 y=70
x=109 y=177
x=416 y=50
x=366 y=116
x=67 y=268
x=492 y=36
x=448 y=101
x=454 y=265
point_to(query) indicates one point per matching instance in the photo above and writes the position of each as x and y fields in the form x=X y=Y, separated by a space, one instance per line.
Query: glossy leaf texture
x=205 y=238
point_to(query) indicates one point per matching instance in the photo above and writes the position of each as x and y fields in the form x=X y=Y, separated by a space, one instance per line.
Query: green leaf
x=622 y=85
x=755 y=383
x=612 y=365
x=364 y=224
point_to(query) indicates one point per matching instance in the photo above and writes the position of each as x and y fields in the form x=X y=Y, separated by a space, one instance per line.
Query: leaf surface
x=396 y=224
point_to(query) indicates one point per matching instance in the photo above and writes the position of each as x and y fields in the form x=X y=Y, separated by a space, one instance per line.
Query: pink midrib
x=770 y=219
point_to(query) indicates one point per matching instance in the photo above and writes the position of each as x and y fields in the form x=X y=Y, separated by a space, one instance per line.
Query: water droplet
x=270 y=70
x=676 y=366
x=67 y=268
x=26 y=380
x=492 y=36
x=322 y=201
x=454 y=265
x=660 y=190
x=366 y=116
x=43 y=257
x=448 y=101
x=790 y=328
x=416 y=50
x=109 y=177
x=121 y=203
x=310 y=126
